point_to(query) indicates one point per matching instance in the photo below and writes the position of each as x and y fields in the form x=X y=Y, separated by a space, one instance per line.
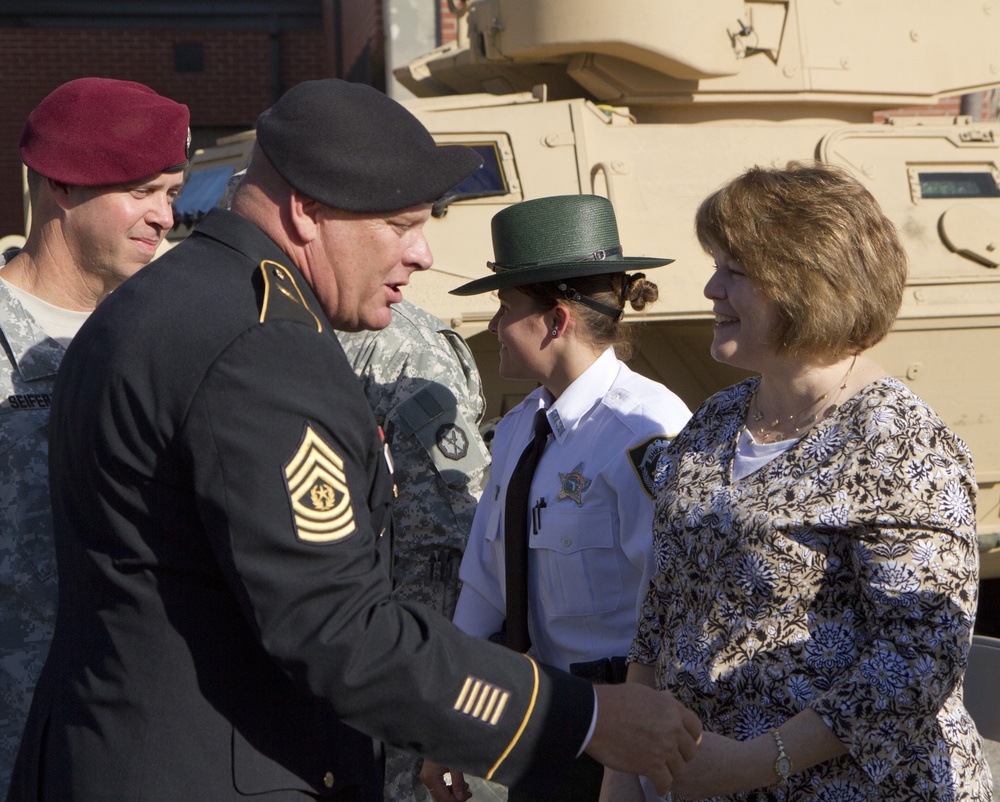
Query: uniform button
x=328 y=779
x=567 y=541
x=279 y=273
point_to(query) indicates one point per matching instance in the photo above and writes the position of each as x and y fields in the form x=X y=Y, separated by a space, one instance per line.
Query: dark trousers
x=582 y=785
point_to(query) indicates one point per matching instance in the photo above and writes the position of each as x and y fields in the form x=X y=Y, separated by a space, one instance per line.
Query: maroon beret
x=99 y=131
x=352 y=147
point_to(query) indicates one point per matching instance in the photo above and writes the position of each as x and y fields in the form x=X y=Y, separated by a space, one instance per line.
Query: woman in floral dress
x=817 y=561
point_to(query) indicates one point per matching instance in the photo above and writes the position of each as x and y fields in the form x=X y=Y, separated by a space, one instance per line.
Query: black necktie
x=516 y=536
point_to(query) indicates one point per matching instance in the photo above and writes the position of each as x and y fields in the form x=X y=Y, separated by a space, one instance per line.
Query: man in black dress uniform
x=222 y=506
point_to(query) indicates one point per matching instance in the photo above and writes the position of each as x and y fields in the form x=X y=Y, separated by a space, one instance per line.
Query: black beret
x=351 y=147
x=100 y=131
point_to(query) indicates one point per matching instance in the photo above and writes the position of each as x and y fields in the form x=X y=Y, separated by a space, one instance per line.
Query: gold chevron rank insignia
x=317 y=489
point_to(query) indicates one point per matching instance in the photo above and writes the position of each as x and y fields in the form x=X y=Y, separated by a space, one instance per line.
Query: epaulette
x=283 y=299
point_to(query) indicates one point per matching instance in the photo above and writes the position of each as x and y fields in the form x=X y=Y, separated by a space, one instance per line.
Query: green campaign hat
x=555 y=238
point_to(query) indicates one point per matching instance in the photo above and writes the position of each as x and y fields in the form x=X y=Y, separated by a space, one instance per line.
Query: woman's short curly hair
x=818 y=245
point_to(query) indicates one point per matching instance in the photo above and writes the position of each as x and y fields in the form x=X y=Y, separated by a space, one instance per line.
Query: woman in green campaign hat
x=584 y=516
x=549 y=239
x=562 y=257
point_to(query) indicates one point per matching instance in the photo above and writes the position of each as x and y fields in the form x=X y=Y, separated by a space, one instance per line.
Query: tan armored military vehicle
x=655 y=103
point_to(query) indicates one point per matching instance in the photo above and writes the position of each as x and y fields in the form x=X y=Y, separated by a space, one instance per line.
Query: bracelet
x=783 y=765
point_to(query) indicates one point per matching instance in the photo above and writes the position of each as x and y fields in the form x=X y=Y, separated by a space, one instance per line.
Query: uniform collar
x=236 y=232
x=581 y=396
x=35 y=355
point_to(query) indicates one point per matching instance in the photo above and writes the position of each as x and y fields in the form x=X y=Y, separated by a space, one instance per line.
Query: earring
x=555 y=332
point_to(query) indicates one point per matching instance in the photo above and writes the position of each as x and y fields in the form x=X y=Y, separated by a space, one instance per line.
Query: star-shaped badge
x=574 y=484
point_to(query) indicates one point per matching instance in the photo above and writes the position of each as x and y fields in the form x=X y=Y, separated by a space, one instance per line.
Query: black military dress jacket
x=220 y=494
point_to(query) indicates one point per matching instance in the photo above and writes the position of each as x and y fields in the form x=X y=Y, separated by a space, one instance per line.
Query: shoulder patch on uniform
x=283 y=298
x=317 y=490
x=452 y=441
x=645 y=458
x=482 y=700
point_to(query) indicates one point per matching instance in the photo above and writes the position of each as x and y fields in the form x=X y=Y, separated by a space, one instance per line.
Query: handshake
x=639 y=731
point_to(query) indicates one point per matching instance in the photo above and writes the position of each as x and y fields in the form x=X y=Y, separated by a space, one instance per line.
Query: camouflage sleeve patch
x=283 y=300
x=432 y=416
x=645 y=458
x=318 y=492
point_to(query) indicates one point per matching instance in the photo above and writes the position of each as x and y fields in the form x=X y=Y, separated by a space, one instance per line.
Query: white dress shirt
x=590 y=515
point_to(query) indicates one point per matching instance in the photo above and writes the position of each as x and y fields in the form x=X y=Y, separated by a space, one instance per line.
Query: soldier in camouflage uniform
x=103 y=158
x=27 y=558
x=422 y=383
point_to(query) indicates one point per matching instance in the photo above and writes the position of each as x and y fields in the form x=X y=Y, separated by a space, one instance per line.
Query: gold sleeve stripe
x=501 y=706
x=460 y=701
x=524 y=722
x=488 y=703
x=473 y=696
x=482 y=700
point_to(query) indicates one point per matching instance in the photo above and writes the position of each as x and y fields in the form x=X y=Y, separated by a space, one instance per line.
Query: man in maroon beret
x=223 y=511
x=105 y=161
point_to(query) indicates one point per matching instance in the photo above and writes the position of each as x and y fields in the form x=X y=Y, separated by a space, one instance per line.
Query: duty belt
x=606 y=671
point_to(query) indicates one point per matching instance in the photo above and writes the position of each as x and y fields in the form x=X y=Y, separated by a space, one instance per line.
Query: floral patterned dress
x=841 y=576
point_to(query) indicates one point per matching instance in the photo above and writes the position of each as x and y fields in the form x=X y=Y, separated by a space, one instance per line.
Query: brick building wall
x=234 y=85
x=449 y=24
x=984 y=106
x=362 y=38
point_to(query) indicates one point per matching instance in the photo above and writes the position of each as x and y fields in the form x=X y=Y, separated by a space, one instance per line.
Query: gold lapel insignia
x=283 y=298
x=317 y=488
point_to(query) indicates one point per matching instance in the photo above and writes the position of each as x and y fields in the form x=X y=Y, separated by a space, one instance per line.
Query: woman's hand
x=444 y=784
x=723 y=766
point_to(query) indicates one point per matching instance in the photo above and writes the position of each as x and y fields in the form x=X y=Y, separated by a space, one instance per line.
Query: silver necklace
x=790 y=428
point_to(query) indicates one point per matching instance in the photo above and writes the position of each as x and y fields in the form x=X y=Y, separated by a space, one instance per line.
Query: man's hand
x=643 y=731
x=433 y=776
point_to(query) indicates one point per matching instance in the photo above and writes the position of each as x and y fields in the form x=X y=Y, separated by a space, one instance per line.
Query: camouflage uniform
x=422 y=383
x=27 y=554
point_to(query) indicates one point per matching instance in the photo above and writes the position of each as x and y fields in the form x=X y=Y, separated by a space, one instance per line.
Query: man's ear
x=60 y=193
x=303 y=214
